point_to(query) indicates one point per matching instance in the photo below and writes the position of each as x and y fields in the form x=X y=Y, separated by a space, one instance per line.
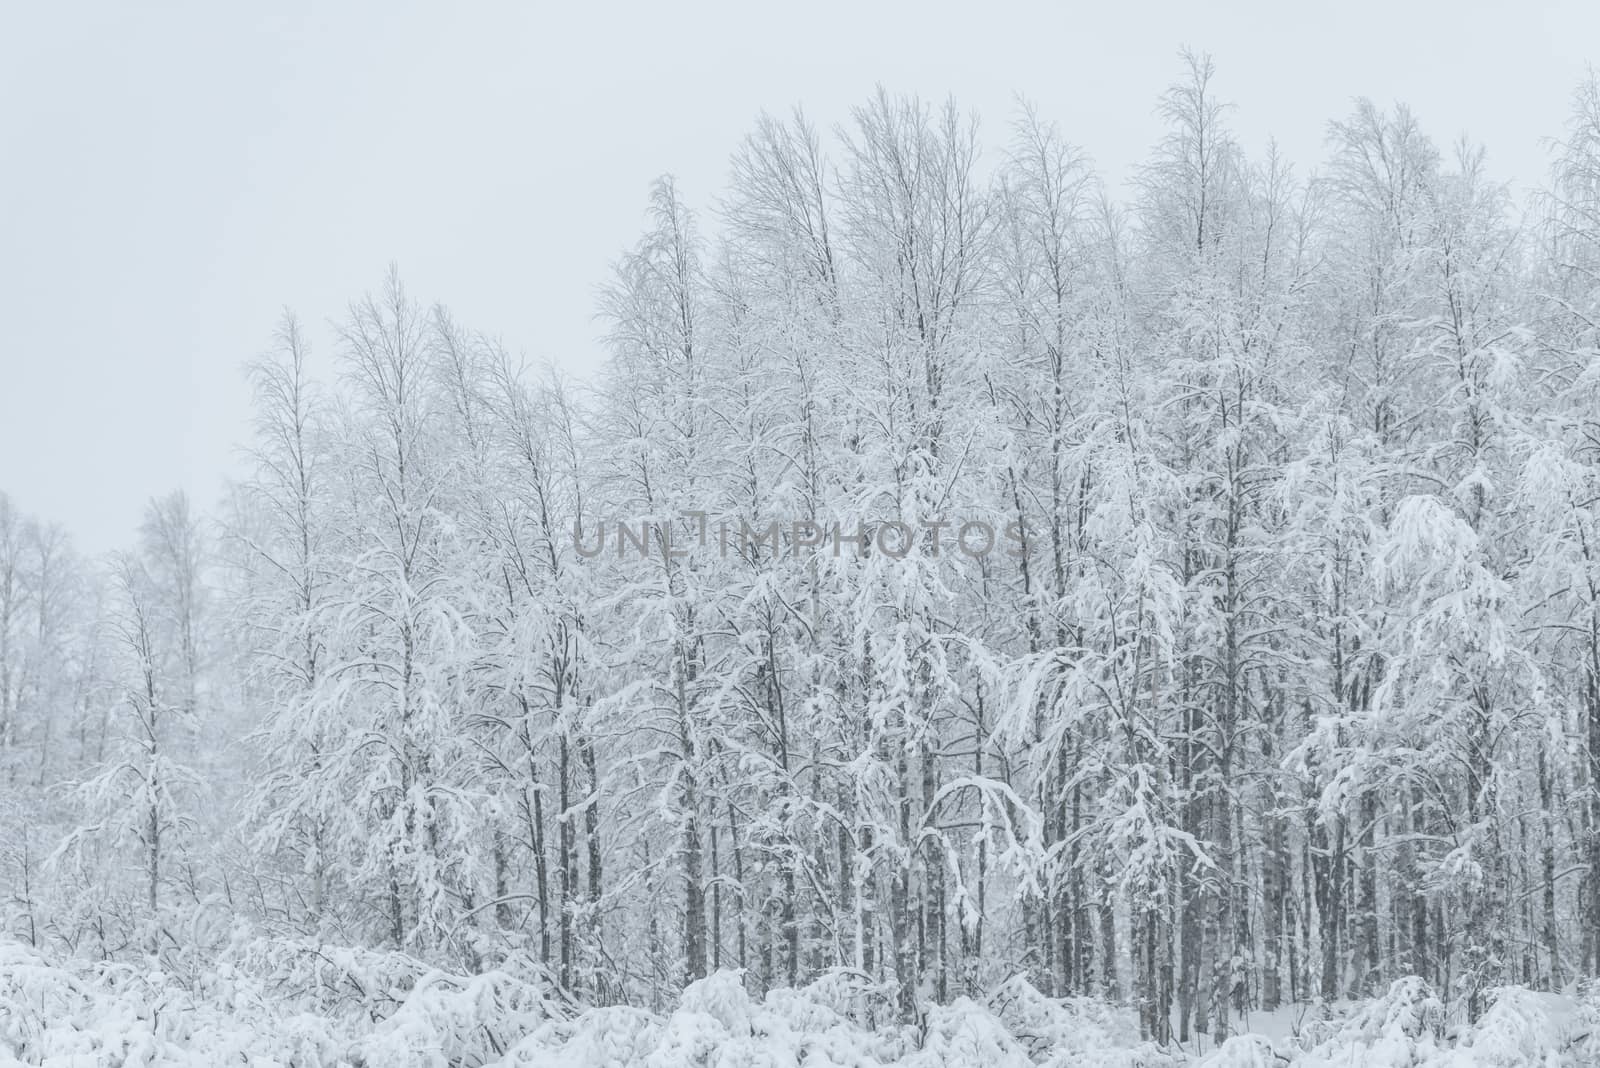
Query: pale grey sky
x=171 y=175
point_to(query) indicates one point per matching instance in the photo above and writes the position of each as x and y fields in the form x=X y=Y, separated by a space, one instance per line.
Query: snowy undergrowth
x=1409 y=1027
x=286 y=1003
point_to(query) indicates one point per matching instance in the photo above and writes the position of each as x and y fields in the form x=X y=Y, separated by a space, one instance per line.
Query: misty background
x=174 y=174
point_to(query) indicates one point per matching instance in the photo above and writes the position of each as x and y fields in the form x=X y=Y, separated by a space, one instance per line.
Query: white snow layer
x=276 y=1003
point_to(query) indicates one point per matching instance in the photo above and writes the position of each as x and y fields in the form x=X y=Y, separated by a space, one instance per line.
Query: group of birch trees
x=1283 y=680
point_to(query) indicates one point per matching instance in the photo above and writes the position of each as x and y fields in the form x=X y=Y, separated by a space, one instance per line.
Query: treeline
x=1287 y=686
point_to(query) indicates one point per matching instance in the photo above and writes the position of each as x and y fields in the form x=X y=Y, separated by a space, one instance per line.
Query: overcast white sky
x=171 y=175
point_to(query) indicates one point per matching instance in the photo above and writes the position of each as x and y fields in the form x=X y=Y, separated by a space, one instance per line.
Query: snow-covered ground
x=270 y=1002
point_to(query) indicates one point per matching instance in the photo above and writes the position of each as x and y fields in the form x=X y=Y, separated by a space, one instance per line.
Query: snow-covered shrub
x=865 y=1003
x=31 y=994
x=1401 y=1028
x=1242 y=1051
x=461 y=1023
x=967 y=1033
x=1067 y=1032
x=1522 y=1029
x=616 y=1035
x=721 y=996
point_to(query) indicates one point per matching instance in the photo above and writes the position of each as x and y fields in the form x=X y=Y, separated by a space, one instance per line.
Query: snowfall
x=271 y=1002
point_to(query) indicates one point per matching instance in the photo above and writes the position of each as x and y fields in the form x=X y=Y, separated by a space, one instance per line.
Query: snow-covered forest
x=977 y=616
